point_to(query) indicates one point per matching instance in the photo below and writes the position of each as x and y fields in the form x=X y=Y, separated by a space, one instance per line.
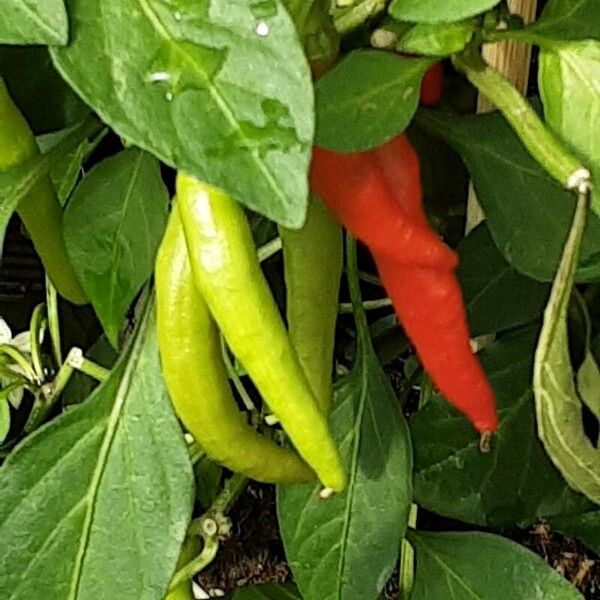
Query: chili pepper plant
x=239 y=253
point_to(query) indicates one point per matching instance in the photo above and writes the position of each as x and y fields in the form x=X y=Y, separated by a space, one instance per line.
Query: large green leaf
x=112 y=227
x=497 y=297
x=367 y=99
x=33 y=22
x=267 y=592
x=219 y=90
x=569 y=20
x=97 y=503
x=528 y=214
x=515 y=482
x=434 y=11
x=558 y=408
x=346 y=547
x=480 y=566
x=569 y=81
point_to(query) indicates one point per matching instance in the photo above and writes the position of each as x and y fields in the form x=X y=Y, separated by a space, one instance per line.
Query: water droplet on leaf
x=169 y=96
x=262 y=29
x=159 y=77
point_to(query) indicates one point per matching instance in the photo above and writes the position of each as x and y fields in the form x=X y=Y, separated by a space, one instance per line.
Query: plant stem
x=231 y=492
x=216 y=513
x=526 y=35
x=37 y=328
x=21 y=360
x=53 y=320
x=407 y=560
x=209 y=551
x=235 y=378
x=346 y=307
x=77 y=360
x=368 y=278
x=542 y=144
x=269 y=249
x=360 y=316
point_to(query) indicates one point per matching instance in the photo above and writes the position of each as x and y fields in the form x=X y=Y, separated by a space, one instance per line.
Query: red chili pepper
x=375 y=195
x=432 y=85
x=370 y=212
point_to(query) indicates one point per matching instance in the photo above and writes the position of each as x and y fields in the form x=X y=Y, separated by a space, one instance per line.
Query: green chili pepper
x=313 y=259
x=196 y=377
x=228 y=274
x=40 y=210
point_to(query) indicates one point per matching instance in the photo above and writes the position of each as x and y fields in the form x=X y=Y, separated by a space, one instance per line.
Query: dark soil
x=254 y=552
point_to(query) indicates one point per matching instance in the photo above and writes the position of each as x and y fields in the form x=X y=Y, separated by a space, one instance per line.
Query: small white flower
x=22 y=342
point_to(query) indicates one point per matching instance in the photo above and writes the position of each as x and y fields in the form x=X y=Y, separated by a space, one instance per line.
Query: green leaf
x=112 y=227
x=96 y=504
x=528 y=214
x=67 y=168
x=267 y=592
x=515 y=482
x=569 y=20
x=434 y=11
x=437 y=39
x=585 y=526
x=347 y=547
x=497 y=297
x=221 y=91
x=367 y=99
x=4 y=418
x=480 y=566
x=558 y=407
x=569 y=81
x=33 y=22
x=32 y=93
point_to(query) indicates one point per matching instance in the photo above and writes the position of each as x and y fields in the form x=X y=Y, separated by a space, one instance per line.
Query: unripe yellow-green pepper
x=313 y=262
x=40 y=210
x=196 y=378
x=227 y=273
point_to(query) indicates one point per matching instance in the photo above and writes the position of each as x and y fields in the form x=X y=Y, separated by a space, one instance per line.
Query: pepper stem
x=539 y=140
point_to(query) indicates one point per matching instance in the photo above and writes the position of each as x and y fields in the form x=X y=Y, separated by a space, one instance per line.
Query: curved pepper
x=40 y=210
x=426 y=294
x=227 y=272
x=196 y=378
x=313 y=262
x=369 y=211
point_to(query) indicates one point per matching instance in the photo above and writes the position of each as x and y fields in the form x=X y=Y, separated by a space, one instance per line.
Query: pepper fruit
x=432 y=85
x=40 y=210
x=369 y=211
x=196 y=377
x=313 y=263
x=425 y=293
x=227 y=273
